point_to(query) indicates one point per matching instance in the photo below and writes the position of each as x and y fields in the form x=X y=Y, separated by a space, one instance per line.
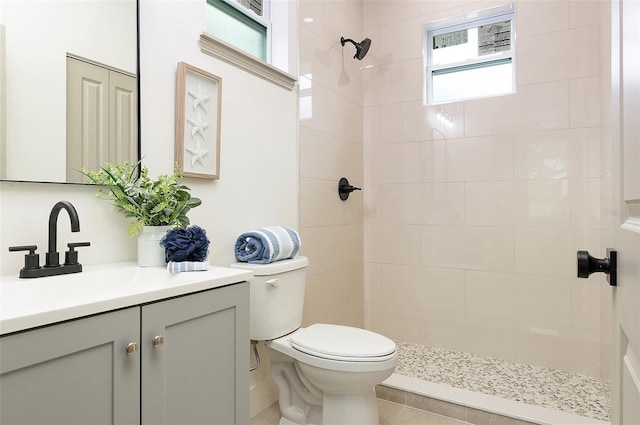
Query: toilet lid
x=336 y=342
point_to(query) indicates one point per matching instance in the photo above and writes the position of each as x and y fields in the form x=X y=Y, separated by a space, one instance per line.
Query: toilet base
x=285 y=421
x=349 y=409
x=343 y=409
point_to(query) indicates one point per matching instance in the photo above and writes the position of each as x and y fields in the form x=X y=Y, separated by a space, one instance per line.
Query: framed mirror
x=69 y=86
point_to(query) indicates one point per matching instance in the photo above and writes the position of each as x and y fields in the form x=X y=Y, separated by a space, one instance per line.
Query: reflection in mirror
x=68 y=90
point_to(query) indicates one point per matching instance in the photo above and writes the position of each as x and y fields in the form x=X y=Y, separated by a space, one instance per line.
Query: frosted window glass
x=237 y=29
x=490 y=80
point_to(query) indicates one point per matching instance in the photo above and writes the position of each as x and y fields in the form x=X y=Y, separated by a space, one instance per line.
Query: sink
x=26 y=303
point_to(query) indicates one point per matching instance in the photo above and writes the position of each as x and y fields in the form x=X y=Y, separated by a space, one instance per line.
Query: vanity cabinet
x=182 y=360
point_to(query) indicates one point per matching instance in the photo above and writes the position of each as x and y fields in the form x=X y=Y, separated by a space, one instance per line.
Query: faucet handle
x=71 y=256
x=31 y=260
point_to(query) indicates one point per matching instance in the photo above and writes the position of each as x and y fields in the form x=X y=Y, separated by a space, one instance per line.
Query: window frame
x=468 y=21
x=264 y=20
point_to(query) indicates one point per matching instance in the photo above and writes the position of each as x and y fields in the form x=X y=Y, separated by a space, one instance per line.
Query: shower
x=361 y=48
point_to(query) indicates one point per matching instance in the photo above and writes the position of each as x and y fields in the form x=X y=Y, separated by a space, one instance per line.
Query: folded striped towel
x=268 y=244
x=187 y=266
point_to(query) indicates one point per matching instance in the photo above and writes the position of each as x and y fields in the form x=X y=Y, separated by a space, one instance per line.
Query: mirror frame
x=139 y=142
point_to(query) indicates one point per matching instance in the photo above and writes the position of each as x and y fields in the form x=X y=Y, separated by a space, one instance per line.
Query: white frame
x=470 y=20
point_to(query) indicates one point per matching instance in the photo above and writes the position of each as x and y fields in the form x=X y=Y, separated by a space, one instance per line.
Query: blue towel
x=268 y=244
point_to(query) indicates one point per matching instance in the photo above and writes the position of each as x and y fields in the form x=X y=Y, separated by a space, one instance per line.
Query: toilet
x=325 y=374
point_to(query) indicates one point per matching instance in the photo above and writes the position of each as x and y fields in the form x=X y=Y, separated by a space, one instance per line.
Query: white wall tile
x=588 y=12
x=490 y=203
x=393 y=82
x=399 y=163
x=585 y=101
x=432 y=164
x=411 y=34
x=312 y=104
x=519 y=297
x=344 y=118
x=443 y=203
x=468 y=247
x=443 y=329
x=396 y=322
x=534 y=107
x=552 y=251
x=480 y=158
x=412 y=121
x=558 y=348
x=557 y=154
x=586 y=304
x=393 y=243
x=558 y=56
x=423 y=287
x=311 y=200
x=585 y=203
x=321 y=155
x=312 y=16
x=541 y=17
x=540 y=203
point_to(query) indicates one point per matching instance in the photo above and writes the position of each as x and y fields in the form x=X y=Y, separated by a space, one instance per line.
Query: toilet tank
x=276 y=297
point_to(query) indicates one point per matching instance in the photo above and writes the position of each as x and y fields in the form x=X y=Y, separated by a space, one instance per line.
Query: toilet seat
x=343 y=343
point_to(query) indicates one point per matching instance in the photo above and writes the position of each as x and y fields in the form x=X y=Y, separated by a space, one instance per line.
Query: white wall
x=258 y=166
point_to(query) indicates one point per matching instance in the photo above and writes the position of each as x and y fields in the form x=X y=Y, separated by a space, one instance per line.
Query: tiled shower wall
x=331 y=147
x=472 y=225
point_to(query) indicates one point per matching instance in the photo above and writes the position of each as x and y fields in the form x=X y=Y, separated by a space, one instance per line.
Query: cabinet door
x=200 y=373
x=72 y=373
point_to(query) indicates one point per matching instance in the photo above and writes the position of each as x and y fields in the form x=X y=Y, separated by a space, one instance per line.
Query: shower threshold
x=523 y=392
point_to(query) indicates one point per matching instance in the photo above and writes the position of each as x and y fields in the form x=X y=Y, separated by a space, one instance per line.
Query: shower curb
x=445 y=408
x=471 y=407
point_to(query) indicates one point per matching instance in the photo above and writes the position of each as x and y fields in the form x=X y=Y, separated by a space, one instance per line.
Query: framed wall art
x=198 y=102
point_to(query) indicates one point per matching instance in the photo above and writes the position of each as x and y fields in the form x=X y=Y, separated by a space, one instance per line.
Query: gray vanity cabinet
x=198 y=372
x=72 y=373
x=182 y=360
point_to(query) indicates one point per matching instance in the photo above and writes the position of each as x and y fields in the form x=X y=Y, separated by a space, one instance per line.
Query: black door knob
x=608 y=265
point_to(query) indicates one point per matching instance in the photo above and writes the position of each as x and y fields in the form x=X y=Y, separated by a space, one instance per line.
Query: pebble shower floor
x=554 y=389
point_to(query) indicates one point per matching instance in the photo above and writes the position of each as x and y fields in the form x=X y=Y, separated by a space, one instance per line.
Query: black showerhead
x=361 y=48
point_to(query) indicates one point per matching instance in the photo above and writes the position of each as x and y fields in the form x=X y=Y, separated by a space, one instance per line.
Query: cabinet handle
x=158 y=341
x=132 y=348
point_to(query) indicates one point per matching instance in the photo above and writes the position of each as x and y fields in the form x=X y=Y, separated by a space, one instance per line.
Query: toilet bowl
x=325 y=374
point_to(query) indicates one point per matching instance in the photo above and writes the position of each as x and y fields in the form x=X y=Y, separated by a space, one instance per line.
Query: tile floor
x=569 y=392
x=578 y=394
x=390 y=414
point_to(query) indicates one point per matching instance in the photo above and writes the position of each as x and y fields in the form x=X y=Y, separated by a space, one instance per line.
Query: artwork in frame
x=198 y=101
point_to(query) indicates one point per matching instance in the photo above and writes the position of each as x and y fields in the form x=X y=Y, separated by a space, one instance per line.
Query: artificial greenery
x=163 y=202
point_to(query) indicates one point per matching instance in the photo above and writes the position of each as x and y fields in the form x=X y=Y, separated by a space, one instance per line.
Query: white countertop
x=28 y=303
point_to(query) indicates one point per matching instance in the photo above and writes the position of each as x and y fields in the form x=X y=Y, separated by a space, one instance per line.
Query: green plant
x=161 y=202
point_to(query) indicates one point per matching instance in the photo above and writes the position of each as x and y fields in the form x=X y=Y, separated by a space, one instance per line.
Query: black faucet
x=52 y=259
x=52 y=265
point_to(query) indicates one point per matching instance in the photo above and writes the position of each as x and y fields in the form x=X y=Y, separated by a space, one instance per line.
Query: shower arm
x=344 y=40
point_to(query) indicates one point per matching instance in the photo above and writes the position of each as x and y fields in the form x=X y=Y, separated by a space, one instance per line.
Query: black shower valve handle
x=344 y=188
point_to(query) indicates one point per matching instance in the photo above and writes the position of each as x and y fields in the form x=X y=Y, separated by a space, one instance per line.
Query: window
x=244 y=24
x=470 y=56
